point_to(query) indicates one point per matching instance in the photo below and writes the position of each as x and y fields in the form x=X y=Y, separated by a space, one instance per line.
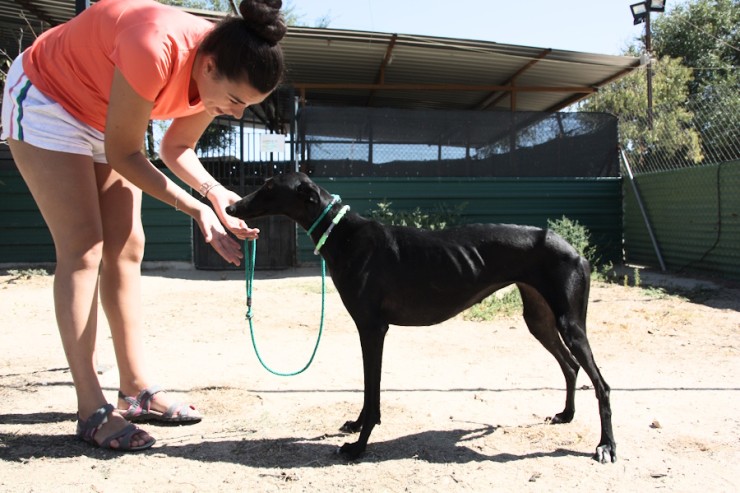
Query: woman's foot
x=108 y=429
x=153 y=404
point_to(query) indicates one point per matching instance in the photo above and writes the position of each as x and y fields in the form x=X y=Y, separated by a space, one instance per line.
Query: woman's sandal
x=87 y=429
x=140 y=409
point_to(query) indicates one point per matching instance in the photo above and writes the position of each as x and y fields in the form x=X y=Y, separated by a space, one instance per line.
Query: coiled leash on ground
x=250 y=255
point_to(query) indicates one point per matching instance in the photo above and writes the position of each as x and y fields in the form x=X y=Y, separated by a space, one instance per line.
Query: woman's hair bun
x=264 y=18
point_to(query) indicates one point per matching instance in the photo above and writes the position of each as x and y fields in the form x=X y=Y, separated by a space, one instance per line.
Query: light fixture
x=656 y=5
x=641 y=10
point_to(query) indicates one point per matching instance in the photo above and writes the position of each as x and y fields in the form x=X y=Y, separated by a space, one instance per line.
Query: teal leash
x=250 y=257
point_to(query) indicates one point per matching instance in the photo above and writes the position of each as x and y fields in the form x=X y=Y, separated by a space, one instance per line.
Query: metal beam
x=495 y=97
x=380 y=78
x=437 y=87
x=577 y=97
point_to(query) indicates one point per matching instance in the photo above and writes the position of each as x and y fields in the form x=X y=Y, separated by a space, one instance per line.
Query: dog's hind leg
x=372 y=337
x=541 y=323
x=569 y=308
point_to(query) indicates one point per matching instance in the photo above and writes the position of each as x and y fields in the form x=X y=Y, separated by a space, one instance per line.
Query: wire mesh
x=705 y=131
x=366 y=142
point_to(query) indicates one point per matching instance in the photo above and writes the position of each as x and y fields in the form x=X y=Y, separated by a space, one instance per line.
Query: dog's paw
x=351 y=450
x=606 y=453
x=560 y=418
x=351 y=427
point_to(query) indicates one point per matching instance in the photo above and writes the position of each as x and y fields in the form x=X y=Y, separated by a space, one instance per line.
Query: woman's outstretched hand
x=215 y=234
x=221 y=198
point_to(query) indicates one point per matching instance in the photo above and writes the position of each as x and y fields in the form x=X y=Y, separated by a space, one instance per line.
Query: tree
x=671 y=136
x=706 y=36
x=696 y=58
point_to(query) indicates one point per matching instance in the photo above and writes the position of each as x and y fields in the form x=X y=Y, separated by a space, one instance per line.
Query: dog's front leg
x=372 y=337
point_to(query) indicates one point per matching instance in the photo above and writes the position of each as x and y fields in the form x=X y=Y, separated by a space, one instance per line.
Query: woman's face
x=221 y=96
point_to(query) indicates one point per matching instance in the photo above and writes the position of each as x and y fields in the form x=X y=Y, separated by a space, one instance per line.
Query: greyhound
x=407 y=276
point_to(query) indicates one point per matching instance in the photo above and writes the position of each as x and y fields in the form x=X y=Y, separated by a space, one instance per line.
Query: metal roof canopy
x=357 y=68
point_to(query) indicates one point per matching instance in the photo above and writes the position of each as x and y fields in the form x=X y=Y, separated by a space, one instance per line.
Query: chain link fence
x=705 y=131
x=682 y=206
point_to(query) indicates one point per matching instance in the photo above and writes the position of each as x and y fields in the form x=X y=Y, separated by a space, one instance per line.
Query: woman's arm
x=178 y=152
x=127 y=120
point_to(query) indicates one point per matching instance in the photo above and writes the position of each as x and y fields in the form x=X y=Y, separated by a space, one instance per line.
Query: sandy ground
x=464 y=403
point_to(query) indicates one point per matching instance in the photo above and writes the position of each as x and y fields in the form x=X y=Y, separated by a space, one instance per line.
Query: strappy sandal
x=87 y=429
x=140 y=409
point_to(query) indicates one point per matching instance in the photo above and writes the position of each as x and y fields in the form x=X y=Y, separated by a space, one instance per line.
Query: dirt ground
x=464 y=403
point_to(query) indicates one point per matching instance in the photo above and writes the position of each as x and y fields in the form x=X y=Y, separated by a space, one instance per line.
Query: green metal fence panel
x=695 y=216
x=594 y=202
x=25 y=239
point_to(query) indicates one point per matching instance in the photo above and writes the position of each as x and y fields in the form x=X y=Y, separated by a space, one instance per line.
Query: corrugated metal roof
x=359 y=68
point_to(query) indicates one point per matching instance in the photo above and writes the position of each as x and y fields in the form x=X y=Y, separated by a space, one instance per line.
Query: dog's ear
x=309 y=192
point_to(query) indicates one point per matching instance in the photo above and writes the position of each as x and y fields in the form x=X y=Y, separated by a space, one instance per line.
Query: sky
x=596 y=26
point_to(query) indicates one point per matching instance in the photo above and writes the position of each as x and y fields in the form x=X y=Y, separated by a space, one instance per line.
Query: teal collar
x=328 y=231
x=335 y=200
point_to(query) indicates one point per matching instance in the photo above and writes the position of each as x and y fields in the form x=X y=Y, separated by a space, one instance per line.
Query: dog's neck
x=335 y=199
x=315 y=231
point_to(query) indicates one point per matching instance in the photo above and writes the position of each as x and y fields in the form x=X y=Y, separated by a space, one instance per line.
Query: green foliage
x=577 y=235
x=695 y=56
x=292 y=17
x=218 y=136
x=440 y=218
x=25 y=274
x=212 y=5
x=705 y=35
x=671 y=134
x=506 y=304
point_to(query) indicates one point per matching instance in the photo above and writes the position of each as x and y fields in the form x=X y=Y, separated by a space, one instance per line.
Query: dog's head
x=292 y=194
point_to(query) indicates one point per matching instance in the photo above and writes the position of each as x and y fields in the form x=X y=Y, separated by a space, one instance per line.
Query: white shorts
x=30 y=116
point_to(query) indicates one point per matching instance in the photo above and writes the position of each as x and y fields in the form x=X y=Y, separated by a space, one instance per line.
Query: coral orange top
x=153 y=45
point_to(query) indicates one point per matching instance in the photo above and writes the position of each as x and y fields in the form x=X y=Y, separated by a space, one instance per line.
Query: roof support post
x=81 y=5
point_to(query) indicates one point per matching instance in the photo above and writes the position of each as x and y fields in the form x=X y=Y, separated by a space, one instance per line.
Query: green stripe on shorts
x=19 y=101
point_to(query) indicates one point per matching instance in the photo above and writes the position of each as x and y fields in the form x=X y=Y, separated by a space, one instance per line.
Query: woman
x=75 y=111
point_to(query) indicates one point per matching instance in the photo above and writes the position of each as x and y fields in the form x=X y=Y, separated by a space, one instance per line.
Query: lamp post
x=641 y=13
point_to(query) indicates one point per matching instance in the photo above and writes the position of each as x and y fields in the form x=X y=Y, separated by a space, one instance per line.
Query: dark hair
x=246 y=47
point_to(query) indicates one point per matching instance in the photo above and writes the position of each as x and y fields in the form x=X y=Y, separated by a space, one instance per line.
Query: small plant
x=576 y=234
x=442 y=217
x=580 y=238
x=24 y=274
x=507 y=304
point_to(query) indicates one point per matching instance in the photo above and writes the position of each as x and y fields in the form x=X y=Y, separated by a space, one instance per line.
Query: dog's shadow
x=434 y=446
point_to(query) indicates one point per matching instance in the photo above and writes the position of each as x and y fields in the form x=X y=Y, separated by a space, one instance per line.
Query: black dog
x=406 y=276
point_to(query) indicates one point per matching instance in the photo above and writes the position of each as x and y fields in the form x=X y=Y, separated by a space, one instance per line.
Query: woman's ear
x=209 y=66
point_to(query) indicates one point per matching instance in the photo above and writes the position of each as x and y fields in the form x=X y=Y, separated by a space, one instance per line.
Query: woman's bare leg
x=120 y=281
x=66 y=191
